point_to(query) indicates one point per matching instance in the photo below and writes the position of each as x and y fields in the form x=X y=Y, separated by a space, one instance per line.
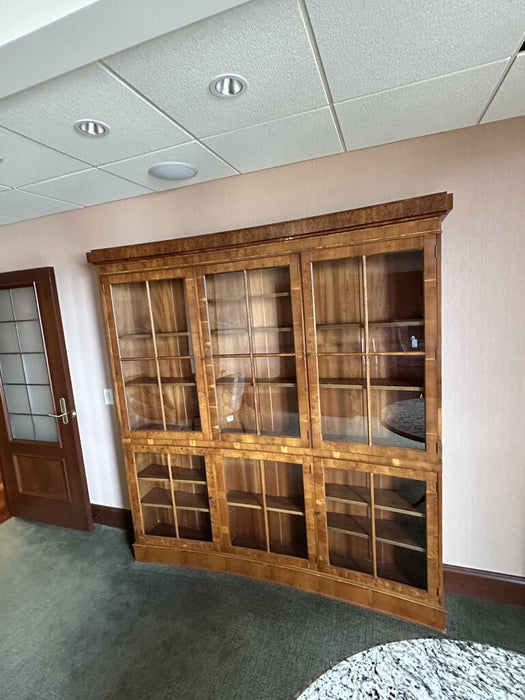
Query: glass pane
x=8 y=338
x=396 y=301
x=245 y=506
x=35 y=368
x=6 y=308
x=45 y=429
x=40 y=399
x=11 y=369
x=16 y=398
x=24 y=303
x=142 y=395
x=343 y=406
x=398 y=405
x=287 y=534
x=348 y=500
x=170 y=317
x=227 y=313
x=284 y=486
x=339 y=326
x=235 y=401
x=22 y=427
x=277 y=396
x=132 y=318
x=269 y=281
x=30 y=335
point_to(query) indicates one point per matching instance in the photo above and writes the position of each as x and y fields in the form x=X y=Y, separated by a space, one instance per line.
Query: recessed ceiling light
x=173 y=170
x=91 y=127
x=228 y=86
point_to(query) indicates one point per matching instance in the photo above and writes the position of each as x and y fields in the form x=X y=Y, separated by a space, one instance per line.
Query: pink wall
x=483 y=292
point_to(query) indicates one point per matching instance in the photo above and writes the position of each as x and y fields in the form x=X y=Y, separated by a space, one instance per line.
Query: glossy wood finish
x=290 y=324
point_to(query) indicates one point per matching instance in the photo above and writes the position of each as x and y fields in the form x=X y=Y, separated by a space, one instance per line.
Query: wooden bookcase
x=278 y=390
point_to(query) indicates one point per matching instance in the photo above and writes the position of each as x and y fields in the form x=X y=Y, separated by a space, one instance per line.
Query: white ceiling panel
x=208 y=165
x=48 y=111
x=368 y=47
x=26 y=161
x=87 y=188
x=16 y=205
x=263 y=41
x=509 y=101
x=429 y=107
x=288 y=140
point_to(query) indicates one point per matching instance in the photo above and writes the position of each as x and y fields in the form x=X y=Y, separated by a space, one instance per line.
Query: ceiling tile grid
x=323 y=76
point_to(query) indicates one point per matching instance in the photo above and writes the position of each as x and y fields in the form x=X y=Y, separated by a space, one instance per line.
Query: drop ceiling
x=324 y=77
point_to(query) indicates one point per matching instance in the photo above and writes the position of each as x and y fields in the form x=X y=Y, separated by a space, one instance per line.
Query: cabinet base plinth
x=421 y=611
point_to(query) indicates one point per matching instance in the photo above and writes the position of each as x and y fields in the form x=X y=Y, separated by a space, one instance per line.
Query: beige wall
x=483 y=302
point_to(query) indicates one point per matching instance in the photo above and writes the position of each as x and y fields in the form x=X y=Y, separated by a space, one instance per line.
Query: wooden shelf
x=346 y=561
x=145 y=336
x=149 y=381
x=244 y=499
x=272 y=295
x=356 y=495
x=289 y=549
x=162 y=530
x=254 y=329
x=358 y=383
x=391 y=532
x=390 y=500
x=349 y=524
x=278 y=381
x=284 y=504
x=157 y=497
x=192 y=501
x=360 y=324
x=187 y=533
x=157 y=472
x=248 y=542
x=188 y=476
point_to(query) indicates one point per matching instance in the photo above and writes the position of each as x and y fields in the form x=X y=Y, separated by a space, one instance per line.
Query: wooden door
x=39 y=442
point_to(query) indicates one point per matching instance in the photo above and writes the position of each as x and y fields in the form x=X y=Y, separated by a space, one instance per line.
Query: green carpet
x=81 y=620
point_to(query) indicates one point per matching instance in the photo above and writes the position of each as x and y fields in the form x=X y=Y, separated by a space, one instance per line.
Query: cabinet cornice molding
x=428 y=206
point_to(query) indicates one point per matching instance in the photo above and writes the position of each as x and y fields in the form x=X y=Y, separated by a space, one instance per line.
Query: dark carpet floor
x=81 y=620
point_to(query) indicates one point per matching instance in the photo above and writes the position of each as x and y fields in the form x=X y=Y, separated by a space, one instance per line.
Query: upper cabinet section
x=321 y=333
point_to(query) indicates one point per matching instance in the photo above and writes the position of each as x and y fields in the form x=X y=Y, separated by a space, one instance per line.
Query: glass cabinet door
x=376 y=524
x=156 y=355
x=265 y=505
x=253 y=351
x=173 y=495
x=369 y=348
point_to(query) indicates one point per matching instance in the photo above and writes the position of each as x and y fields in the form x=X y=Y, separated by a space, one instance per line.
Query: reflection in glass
x=24 y=303
x=11 y=369
x=251 y=325
x=30 y=336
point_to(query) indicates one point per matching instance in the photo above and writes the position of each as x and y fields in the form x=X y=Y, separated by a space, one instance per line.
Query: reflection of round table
x=406 y=418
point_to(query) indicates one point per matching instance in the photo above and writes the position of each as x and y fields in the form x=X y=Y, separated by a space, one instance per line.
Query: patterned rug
x=424 y=669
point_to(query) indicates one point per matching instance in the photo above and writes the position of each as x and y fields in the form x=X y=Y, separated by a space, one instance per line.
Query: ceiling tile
x=288 y=140
x=265 y=42
x=208 y=165
x=367 y=47
x=16 y=205
x=26 y=161
x=87 y=188
x=48 y=111
x=509 y=100
x=451 y=102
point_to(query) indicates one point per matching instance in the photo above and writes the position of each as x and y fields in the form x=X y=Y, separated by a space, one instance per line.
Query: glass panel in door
x=23 y=367
x=370 y=348
x=156 y=354
x=252 y=342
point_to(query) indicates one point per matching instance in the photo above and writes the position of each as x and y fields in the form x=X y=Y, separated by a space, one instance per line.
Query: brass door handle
x=64 y=415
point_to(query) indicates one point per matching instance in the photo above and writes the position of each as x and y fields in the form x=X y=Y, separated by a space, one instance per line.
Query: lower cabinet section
x=364 y=533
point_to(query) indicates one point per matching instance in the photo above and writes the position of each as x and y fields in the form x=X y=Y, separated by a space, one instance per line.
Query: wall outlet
x=109 y=398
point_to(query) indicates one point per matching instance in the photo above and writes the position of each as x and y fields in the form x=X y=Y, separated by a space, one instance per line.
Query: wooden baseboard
x=114 y=517
x=484 y=584
x=458 y=579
